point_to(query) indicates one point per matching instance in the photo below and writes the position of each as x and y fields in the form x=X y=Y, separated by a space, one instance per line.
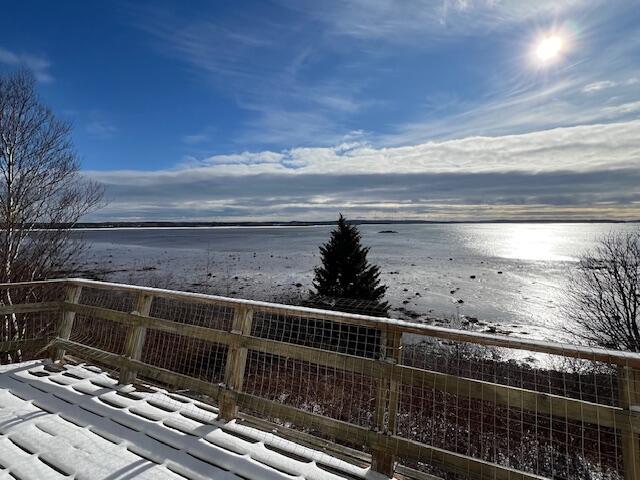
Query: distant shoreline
x=139 y=225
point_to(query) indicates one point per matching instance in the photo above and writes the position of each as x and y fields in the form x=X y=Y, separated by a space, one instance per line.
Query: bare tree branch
x=42 y=193
x=604 y=293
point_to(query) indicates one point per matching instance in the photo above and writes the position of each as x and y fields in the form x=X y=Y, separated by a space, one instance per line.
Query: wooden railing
x=384 y=365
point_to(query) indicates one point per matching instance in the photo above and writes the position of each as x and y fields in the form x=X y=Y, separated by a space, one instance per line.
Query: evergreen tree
x=346 y=275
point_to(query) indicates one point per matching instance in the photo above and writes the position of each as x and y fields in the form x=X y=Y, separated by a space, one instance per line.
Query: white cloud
x=622 y=109
x=579 y=149
x=402 y=21
x=39 y=65
x=597 y=86
x=577 y=172
x=273 y=125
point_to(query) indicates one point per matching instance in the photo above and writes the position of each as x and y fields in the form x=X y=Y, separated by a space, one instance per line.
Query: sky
x=379 y=109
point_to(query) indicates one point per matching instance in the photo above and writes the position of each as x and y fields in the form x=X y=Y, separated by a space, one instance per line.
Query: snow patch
x=77 y=422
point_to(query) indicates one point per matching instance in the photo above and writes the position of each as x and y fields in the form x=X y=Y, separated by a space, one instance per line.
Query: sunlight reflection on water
x=537 y=242
x=532 y=243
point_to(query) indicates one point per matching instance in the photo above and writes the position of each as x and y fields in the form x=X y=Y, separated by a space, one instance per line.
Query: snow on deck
x=75 y=422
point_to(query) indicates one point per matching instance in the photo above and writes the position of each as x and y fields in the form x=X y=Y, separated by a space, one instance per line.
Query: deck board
x=77 y=422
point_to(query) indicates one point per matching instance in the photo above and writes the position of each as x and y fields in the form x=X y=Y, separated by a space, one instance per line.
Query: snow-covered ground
x=75 y=422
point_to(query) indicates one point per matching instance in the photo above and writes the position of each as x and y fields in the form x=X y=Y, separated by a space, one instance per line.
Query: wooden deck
x=75 y=421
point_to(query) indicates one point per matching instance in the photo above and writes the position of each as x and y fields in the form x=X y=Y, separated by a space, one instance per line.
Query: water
x=428 y=268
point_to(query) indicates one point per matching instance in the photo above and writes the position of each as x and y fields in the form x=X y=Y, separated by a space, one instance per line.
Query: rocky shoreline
x=295 y=293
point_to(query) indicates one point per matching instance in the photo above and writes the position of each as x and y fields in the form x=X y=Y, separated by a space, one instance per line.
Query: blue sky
x=381 y=109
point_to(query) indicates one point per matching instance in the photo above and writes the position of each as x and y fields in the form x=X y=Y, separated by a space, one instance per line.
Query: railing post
x=383 y=388
x=136 y=335
x=71 y=295
x=236 y=362
x=629 y=382
x=383 y=460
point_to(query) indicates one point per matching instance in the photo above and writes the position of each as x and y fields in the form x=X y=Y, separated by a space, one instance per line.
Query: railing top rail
x=554 y=348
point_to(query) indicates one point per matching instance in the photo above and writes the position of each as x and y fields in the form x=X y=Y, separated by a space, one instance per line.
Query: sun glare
x=549 y=48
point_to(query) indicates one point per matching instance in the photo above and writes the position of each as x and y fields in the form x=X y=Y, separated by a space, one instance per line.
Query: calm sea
x=448 y=271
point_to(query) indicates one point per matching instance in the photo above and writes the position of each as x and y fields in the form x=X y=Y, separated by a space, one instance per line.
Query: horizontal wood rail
x=573 y=409
x=386 y=370
x=31 y=344
x=30 y=308
x=604 y=355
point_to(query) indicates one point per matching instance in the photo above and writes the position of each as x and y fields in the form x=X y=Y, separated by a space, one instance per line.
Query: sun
x=549 y=48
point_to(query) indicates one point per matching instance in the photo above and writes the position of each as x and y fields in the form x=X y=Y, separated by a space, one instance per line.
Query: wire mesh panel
x=200 y=359
x=119 y=300
x=554 y=374
x=328 y=391
x=20 y=328
x=94 y=330
x=313 y=384
x=461 y=408
x=29 y=293
x=317 y=333
x=99 y=333
x=201 y=314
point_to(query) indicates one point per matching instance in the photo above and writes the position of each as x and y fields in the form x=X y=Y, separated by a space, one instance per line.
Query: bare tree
x=604 y=293
x=42 y=193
